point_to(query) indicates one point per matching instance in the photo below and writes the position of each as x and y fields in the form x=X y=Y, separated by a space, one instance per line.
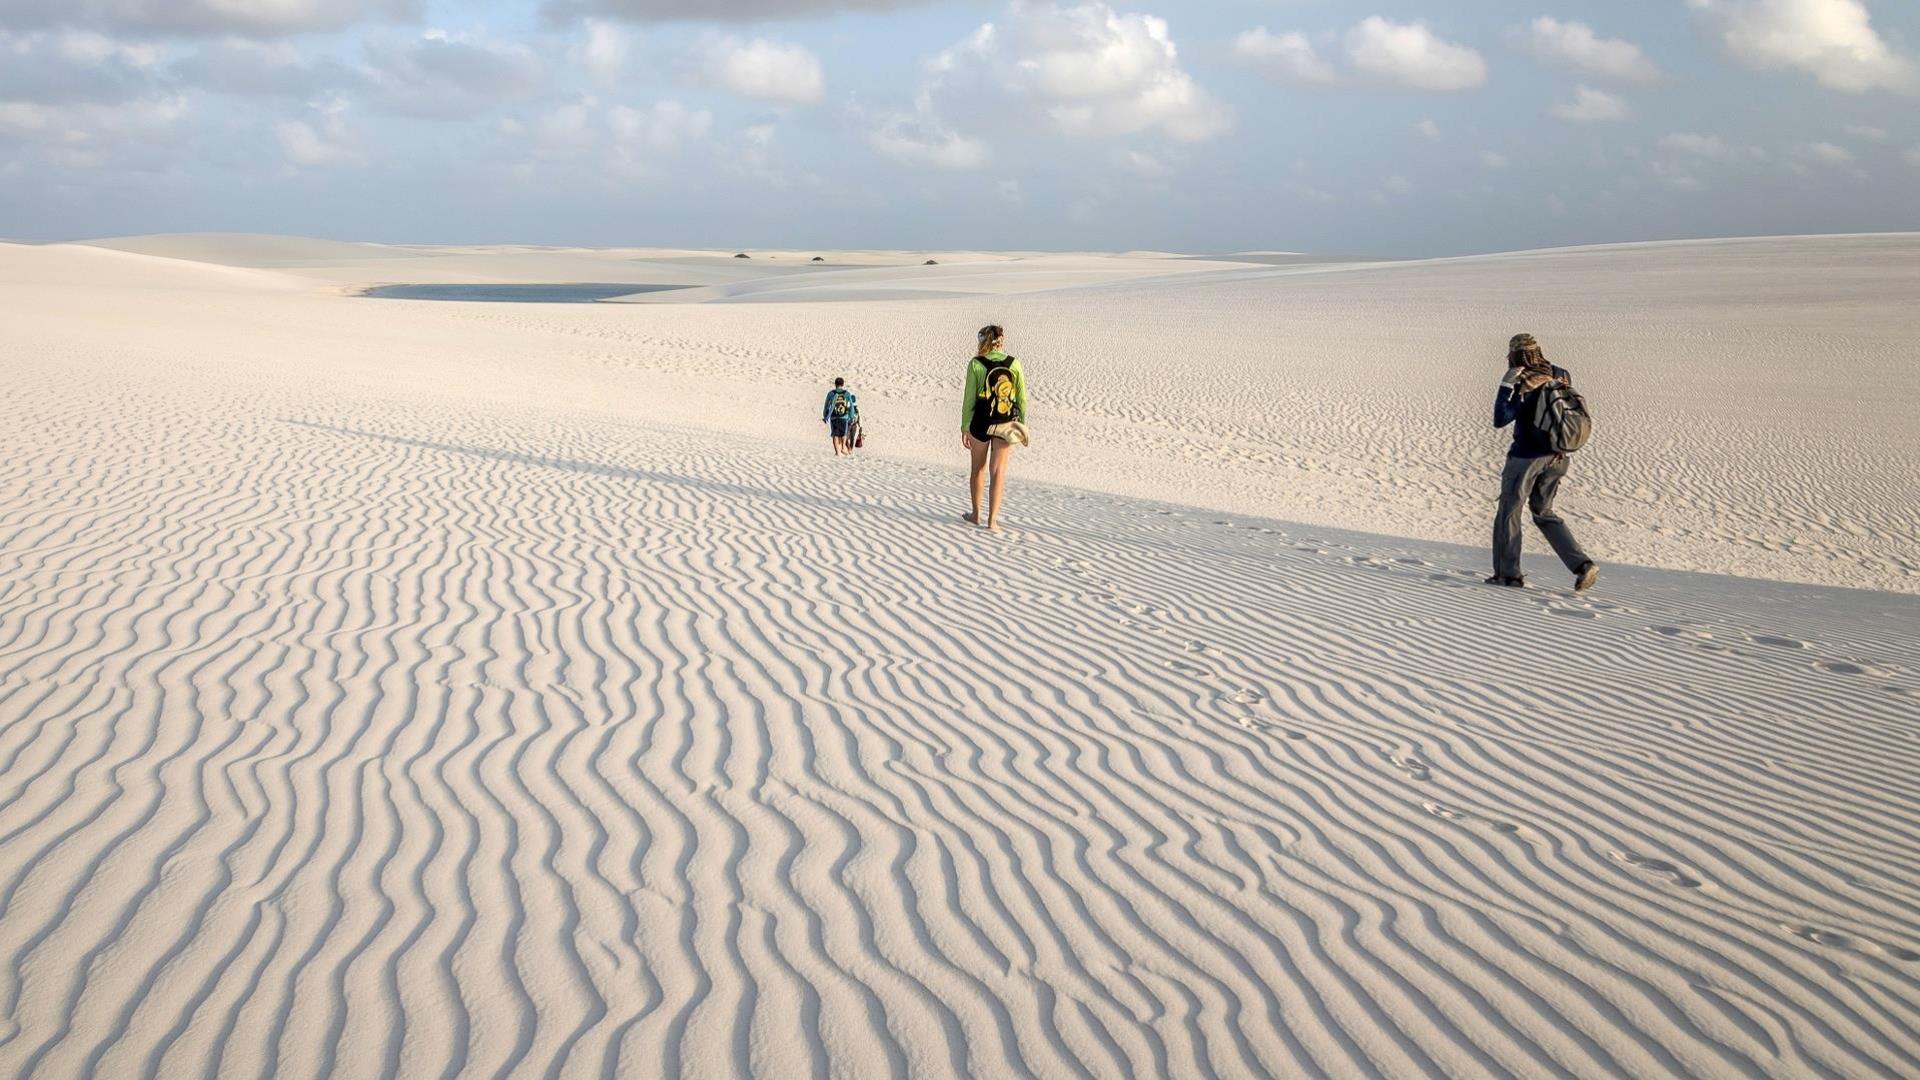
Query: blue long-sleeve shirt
x=1509 y=407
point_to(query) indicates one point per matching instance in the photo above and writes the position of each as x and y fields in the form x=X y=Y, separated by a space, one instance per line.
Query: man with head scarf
x=1534 y=469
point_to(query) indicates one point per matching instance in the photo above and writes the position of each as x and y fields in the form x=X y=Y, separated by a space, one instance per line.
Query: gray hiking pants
x=1532 y=482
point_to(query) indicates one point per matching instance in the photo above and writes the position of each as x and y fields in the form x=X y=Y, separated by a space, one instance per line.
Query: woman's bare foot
x=993 y=526
x=970 y=517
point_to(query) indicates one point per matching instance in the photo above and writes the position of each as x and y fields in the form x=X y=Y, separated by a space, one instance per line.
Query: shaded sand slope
x=367 y=718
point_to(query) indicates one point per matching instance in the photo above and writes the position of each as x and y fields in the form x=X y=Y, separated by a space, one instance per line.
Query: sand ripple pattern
x=382 y=738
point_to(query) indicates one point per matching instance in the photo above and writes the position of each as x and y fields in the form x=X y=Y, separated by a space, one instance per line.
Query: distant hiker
x=841 y=414
x=1549 y=421
x=993 y=418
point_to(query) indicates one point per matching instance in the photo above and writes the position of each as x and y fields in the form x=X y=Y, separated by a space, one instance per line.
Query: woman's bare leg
x=976 y=480
x=1002 y=461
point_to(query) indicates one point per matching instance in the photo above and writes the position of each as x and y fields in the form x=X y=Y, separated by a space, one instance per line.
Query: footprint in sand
x=1835 y=939
x=1247 y=697
x=1189 y=669
x=1842 y=667
x=1574 y=613
x=1777 y=642
x=1461 y=817
x=1659 y=868
x=1413 y=767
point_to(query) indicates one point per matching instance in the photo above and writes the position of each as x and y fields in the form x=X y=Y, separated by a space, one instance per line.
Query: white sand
x=399 y=687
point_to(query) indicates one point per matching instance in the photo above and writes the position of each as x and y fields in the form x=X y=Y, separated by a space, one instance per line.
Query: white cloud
x=1576 y=44
x=1868 y=132
x=60 y=67
x=87 y=135
x=624 y=138
x=1429 y=130
x=1590 y=106
x=1913 y=157
x=604 y=52
x=1493 y=159
x=1825 y=153
x=243 y=18
x=662 y=128
x=1832 y=40
x=445 y=75
x=920 y=138
x=262 y=69
x=770 y=70
x=318 y=144
x=1097 y=72
x=715 y=10
x=1706 y=146
x=1412 y=55
x=1144 y=164
x=1399 y=185
x=1289 y=56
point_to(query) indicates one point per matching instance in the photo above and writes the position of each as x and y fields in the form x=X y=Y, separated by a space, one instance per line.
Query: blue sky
x=1392 y=127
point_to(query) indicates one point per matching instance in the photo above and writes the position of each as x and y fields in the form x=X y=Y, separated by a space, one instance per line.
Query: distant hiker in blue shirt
x=841 y=414
x=1549 y=421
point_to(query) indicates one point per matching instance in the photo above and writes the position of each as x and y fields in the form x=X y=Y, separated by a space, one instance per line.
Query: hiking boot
x=1509 y=582
x=1584 y=578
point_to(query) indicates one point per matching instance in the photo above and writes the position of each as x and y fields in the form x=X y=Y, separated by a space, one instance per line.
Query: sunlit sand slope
x=386 y=698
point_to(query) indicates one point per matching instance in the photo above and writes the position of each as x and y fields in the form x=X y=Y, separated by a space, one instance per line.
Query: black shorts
x=839 y=428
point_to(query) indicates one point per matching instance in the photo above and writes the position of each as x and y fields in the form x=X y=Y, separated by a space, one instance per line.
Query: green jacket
x=977 y=387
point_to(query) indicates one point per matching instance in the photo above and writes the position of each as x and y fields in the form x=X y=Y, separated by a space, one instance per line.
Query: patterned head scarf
x=1524 y=352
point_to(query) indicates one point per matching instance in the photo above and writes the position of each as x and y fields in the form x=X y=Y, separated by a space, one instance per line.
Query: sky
x=1350 y=127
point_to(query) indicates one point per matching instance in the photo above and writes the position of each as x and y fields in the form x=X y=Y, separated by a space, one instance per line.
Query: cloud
x=1429 y=130
x=662 y=128
x=770 y=70
x=1824 y=153
x=69 y=66
x=318 y=143
x=1576 y=44
x=1097 y=72
x=448 y=76
x=260 y=69
x=624 y=140
x=1493 y=159
x=1289 y=56
x=1913 y=157
x=1411 y=55
x=603 y=54
x=1832 y=40
x=1685 y=155
x=920 y=138
x=1140 y=163
x=1868 y=132
x=241 y=18
x=88 y=135
x=1590 y=106
x=1706 y=146
x=715 y=10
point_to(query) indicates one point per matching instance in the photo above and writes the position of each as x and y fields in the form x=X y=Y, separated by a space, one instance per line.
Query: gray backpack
x=1560 y=416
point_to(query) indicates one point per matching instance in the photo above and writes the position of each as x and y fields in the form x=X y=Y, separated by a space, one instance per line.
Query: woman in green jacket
x=993 y=417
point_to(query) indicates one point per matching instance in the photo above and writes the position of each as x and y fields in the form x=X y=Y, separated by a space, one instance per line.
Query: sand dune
x=395 y=688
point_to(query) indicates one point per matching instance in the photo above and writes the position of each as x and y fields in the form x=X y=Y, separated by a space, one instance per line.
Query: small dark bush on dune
x=931 y=262
x=743 y=255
